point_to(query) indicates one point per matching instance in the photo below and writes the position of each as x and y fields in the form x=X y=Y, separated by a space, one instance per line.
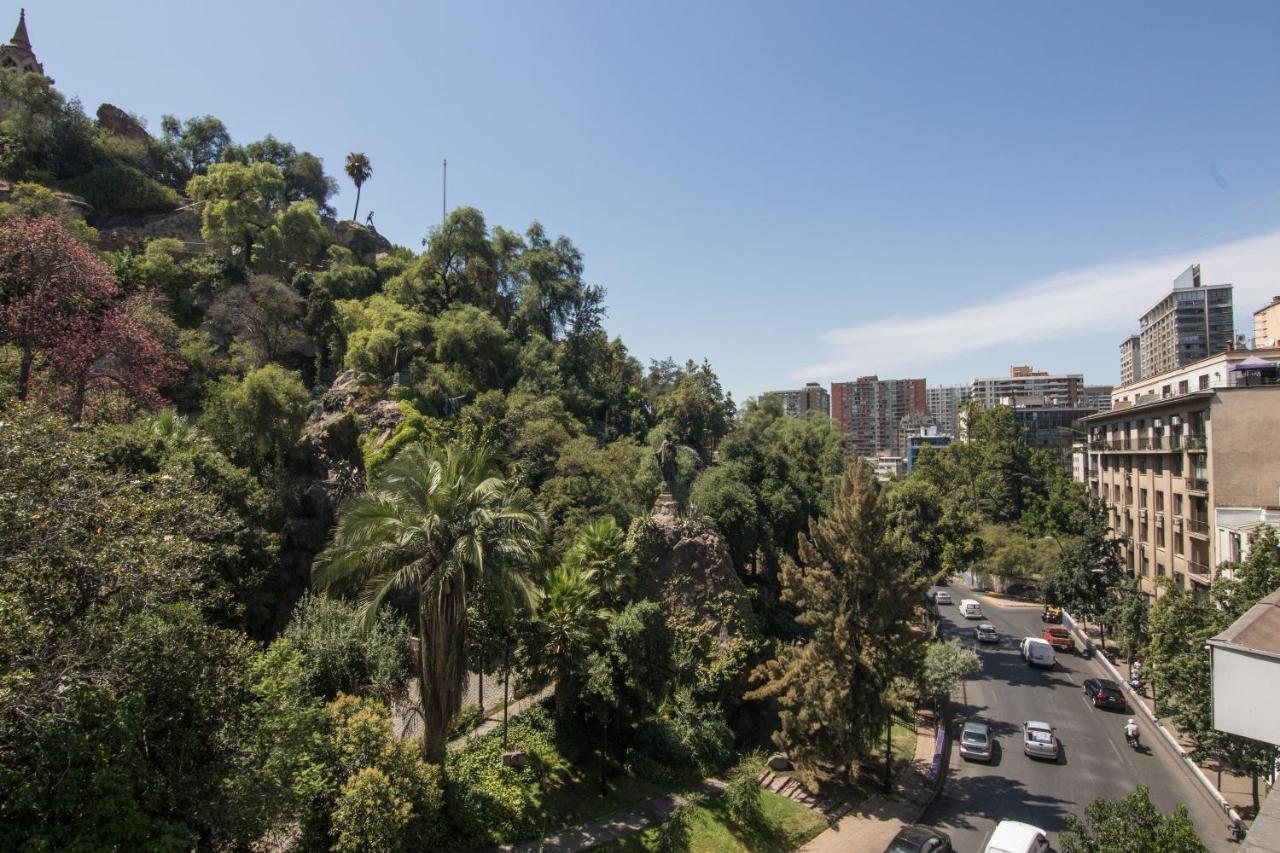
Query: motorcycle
x=1132 y=738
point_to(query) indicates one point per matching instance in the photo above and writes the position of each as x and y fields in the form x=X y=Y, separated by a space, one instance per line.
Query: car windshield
x=1039 y=736
x=903 y=847
x=975 y=737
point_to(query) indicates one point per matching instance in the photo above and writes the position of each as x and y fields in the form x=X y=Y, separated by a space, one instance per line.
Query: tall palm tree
x=431 y=524
x=359 y=171
x=601 y=546
x=568 y=613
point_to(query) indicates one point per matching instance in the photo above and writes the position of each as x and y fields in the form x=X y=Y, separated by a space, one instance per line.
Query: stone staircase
x=786 y=785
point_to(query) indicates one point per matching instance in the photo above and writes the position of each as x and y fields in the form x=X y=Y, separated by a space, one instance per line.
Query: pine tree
x=856 y=596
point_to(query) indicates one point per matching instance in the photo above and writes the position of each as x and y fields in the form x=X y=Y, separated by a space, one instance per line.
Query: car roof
x=1056 y=629
x=974 y=726
x=1036 y=724
x=1014 y=835
x=917 y=833
x=986 y=626
x=1107 y=683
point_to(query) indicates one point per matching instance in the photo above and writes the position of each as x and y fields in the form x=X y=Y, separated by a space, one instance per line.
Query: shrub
x=123 y=189
x=467 y=719
x=339 y=656
x=742 y=794
x=686 y=740
x=370 y=814
x=491 y=804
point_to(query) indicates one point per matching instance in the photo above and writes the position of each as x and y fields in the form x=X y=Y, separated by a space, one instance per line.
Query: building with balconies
x=1165 y=459
x=800 y=402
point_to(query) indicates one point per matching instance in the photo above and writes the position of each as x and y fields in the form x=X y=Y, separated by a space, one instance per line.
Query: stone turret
x=18 y=53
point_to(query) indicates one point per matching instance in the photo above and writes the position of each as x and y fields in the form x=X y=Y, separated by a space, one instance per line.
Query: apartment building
x=870 y=410
x=1174 y=449
x=1050 y=389
x=943 y=403
x=1192 y=322
x=1052 y=428
x=1130 y=360
x=801 y=401
x=927 y=436
x=1266 y=325
x=1098 y=397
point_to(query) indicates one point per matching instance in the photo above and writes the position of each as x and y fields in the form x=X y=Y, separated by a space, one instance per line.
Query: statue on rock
x=667 y=455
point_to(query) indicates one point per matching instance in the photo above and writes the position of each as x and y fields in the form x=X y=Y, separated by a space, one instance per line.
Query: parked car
x=919 y=839
x=975 y=742
x=1105 y=693
x=1059 y=638
x=1012 y=836
x=941 y=596
x=985 y=633
x=1051 y=614
x=970 y=609
x=1036 y=652
x=1039 y=740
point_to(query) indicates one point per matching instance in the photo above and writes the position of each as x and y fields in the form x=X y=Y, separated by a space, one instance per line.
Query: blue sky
x=793 y=191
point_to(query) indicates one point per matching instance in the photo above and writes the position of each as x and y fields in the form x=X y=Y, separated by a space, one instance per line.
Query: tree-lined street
x=1095 y=760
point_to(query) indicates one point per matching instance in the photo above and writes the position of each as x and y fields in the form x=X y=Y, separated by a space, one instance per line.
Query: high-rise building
x=1175 y=451
x=943 y=403
x=1130 y=360
x=1266 y=325
x=1023 y=382
x=927 y=436
x=870 y=410
x=801 y=401
x=1192 y=322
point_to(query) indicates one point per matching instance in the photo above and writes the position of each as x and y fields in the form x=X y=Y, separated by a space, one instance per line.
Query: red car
x=1059 y=638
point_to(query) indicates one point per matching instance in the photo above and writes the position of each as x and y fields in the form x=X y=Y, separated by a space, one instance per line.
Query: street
x=1095 y=761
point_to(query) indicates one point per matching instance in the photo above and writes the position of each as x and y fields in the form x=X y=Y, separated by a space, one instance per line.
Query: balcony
x=1196 y=484
x=1195 y=443
x=1199 y=572
x=1159 y=519
x=1177 y=523
x=1198 y=527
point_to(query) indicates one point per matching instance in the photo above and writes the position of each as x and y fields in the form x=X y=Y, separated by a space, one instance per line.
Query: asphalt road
x=1095 y=760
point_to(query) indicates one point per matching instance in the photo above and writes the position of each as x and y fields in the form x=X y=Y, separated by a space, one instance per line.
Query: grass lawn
x=904 y=740
x=782 y=827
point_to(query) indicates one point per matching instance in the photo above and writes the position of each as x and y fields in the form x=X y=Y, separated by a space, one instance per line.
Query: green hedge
x=123 y=189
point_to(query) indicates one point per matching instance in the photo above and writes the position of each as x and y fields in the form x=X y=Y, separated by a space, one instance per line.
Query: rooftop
x=1257 y=631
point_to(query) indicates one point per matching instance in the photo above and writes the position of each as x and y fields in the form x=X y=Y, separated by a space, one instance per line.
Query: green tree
x=238 y=202
x=340 y=655
x=1130 y=824
x=431 y=524
x=601 y=547
x=371 y=815
x=856 y=603
x=262 y=314
x=381 y=334
x=358 y=170
x=945 y=666
x=193 y=146
x=256 y=419
x=304 y=176
x=697 y=409
x=568 y=619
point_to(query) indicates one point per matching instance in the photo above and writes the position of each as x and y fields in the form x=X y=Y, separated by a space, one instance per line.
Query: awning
x=1254 y=363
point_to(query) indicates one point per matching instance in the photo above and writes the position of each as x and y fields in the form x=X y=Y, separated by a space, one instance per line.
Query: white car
x=1039 y=740
x=1013 y=836
x=1036 y=652
x=942 y=597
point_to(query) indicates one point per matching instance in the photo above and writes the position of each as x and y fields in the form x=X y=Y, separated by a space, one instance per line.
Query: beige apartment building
x=1266 y=325
x=1177 y=447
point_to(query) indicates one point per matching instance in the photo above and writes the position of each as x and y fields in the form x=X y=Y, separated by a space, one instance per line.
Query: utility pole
x=444 y=193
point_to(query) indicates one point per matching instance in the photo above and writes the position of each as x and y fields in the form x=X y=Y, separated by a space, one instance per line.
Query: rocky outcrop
x=365 y=243
x=119 y=122
x=182 y=225
x=684 y=564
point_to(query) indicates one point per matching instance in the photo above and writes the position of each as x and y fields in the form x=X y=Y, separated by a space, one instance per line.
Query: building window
x=1166 y=391
x=1175 y=466
x=1233 y=547
x=1142 y=498
x=1142 y=464
x=1204 y=381
x=1159 y=501
x=1159 y=537
x=1182 y=387
x=1177 y=504
x=1177 y=542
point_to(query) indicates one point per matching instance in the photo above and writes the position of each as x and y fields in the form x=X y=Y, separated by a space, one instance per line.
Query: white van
x=1036 y=652
x=970 y=609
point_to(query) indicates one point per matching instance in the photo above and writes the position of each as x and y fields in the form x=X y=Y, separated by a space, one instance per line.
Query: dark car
x=919 y=839
x=985 y=633
x=1104 y=693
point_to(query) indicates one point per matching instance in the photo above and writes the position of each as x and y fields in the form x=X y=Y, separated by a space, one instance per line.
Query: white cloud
x=1103 y=298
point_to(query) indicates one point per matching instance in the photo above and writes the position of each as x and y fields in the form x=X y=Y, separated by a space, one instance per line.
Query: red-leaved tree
x=59 y=304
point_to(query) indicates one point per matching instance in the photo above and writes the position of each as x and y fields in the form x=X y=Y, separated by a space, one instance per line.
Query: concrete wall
x=1246 y=692
x=1244 y=465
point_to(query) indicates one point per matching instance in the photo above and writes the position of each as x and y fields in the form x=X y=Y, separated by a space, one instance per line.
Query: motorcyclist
x=1131 y=732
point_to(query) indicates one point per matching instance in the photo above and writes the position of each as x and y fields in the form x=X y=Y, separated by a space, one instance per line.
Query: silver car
x=975 y=742
x=1039 y=740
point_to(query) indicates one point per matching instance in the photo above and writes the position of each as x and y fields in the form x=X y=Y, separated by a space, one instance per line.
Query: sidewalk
x=407 y=721
x=610 y=827
x=871 y=825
